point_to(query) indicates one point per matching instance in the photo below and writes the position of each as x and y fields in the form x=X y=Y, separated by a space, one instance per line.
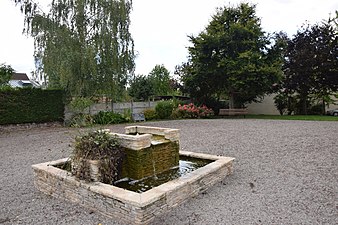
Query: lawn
x=294 y=117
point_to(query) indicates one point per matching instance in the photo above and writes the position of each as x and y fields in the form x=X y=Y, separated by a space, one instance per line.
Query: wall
x=266 y=107
x=134 y=107
x=120 y=107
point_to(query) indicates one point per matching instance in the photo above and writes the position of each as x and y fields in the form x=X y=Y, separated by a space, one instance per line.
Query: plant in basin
x=97 y=156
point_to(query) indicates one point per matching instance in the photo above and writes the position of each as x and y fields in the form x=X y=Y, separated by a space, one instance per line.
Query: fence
x=119 y=107
x=134 y=107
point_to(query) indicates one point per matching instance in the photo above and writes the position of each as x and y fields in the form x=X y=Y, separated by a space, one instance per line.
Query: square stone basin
x=128 y=206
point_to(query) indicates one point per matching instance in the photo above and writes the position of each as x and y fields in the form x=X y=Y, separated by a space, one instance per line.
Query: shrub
x=98 y=145
x=81 y=120
x=109 y=118
x=79 y=104
x=30 y=105
x=164 y=109
x=127 y=115
x=192 y=111
x=316 y=109
x=215 y=104
x=150 y=114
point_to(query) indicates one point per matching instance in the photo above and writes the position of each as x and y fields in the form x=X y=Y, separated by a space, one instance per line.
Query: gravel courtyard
x=285 y=172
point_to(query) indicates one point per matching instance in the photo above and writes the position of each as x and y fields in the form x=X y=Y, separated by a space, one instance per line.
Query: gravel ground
x=286 y=172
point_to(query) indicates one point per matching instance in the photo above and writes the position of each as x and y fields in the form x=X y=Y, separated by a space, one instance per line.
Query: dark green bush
x=150 y=114
x=316 y=109
x=30 y=105
x=109 y=118
x=214 y=104
x=164 y=109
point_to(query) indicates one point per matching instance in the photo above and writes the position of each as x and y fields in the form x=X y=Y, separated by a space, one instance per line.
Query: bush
x=164 y=109
x=192 y=111
x=81 y=120
x=213 y=103
x=316 y=109
x=98 y=145
x=109 y=118
x=30 y=105
x=79 y=104
x=150 y=114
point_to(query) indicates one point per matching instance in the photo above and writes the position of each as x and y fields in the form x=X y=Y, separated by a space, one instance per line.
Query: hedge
x=31 y=105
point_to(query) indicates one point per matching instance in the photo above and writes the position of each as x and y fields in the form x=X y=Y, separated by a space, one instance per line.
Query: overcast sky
x=160 y=27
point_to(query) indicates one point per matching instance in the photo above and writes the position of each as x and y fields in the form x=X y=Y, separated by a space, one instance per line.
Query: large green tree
x=141 y=88
x=83 y=46
x=311 y=65
x=233 y=57
x=159 y=77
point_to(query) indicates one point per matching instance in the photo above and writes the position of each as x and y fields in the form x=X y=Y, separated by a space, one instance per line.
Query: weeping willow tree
x=82 y=46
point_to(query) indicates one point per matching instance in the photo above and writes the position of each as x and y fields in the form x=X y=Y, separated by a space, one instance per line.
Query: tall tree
x=232 y=57
x=141 y=88
x=325 y=70
x=160 y=80
x=311 y=64
x=83 y=46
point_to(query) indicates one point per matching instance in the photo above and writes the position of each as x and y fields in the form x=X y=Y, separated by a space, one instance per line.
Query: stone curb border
x=121 y=204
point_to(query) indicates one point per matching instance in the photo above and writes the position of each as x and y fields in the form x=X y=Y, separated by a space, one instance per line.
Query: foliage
x=281 y=103
x=109 y=118
x=311 y=65
x=6 y=72
x=127 y=115
x=81 y=120
x=141 y=88
x=150 y=114
x=164 y=109
x=233 y=57
x=82 y=46
x=160 y=80
x=30 y=105
x=98 y=145
x=79 y=104
x=192 y=111
x=214 y=103
x=157 y=83
x=316 y=109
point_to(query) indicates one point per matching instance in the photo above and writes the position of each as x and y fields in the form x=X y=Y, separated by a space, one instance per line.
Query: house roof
x=22 y=80
x=19 y=76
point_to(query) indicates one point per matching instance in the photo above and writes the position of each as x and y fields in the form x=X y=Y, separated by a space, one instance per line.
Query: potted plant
x=97 y=156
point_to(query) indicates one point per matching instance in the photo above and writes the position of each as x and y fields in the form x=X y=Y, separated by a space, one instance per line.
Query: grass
x=294 y=117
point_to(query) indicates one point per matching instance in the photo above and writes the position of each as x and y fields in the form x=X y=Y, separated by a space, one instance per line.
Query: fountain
x=151 y=153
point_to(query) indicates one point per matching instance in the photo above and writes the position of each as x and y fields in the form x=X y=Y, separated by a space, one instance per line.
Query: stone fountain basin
x=125 y=205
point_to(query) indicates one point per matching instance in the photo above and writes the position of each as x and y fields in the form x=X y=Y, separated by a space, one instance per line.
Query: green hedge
x=31 y=105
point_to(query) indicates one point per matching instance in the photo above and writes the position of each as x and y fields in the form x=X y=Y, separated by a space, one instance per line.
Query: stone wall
x=150 y=161
x=149 y=150
x=128 y=206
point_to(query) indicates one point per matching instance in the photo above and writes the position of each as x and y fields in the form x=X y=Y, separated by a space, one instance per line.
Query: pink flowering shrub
x=192 y=111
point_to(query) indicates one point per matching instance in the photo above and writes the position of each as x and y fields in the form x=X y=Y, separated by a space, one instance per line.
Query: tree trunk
x=303 y=105
x=231 y=100
x=323 y=107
